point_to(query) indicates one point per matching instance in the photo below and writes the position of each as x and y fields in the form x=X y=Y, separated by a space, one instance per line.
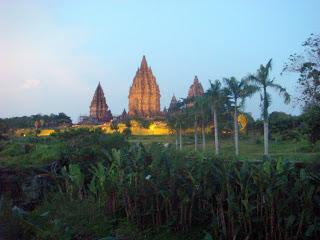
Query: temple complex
x=195 y=89
x=144 y=94
x=99 y=108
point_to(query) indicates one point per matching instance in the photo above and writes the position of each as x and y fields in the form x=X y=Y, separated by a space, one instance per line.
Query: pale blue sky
x=53 y=53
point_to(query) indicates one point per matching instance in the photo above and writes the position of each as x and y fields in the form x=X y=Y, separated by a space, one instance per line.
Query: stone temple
x=99 y=108
x=173 y=104
x=195 y=89
x=144 y=94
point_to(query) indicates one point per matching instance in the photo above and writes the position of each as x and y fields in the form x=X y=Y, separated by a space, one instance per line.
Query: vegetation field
x=85 y=184
x=37 y=151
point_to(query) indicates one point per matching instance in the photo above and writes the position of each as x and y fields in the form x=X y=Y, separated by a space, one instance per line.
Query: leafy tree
x=237 y=92
x=262 y=80
x=307 y=64
x=3 y=128
x=280 y=122
x=52 y=120
x=127 y=132
x=143 y=122
x=311 y=117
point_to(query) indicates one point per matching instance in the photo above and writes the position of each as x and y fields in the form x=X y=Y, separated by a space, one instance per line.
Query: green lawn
x=21 y=153
x=250 y=149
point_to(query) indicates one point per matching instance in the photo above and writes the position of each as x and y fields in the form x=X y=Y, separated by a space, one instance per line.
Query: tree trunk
x=266 y=137
x=265 y=123
x=203 y=137
x=177 y=140
x=195 y=133
x=180 y=137
x=236 y=131
x=216 y=138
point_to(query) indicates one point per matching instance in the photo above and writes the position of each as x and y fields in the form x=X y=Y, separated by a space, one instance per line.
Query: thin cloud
x=30 y=84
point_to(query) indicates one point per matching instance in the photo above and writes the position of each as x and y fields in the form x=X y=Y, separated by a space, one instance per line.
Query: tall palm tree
x=238 y=91
x=194 y=113
x=200 y=108
x=262 y=80
x=216 y=97
x=176 y=120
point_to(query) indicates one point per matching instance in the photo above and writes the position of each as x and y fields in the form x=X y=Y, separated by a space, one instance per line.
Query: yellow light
x=242 y=119
x=46 y=132
x=152 y=127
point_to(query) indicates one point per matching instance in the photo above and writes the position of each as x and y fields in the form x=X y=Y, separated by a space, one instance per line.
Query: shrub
x=153 y=187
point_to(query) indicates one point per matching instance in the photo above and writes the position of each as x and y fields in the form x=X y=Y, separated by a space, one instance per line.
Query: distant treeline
x=50 y=121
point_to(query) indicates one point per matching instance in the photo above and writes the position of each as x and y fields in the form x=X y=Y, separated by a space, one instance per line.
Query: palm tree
x=194 y=113
x=262 y=80
x=200 y=108
x=176 y=120
x=190 y=116
x=216 y=97
x=238 y=91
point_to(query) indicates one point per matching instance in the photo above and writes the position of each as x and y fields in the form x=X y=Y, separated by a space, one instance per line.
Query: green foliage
x=156 y=188
x=4 y=128
x=114 y=126
x=127 y=132
x=311 y=117
x=143 y=122
x=286 y=126
x=110 y=188
x=52 y=120
x=10 y=226
x=307 y=64
x=73 y=145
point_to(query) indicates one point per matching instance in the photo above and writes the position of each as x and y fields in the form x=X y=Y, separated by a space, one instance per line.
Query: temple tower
x=173 y=104
x=99 y=108
x=144 y=94
x=195 y=89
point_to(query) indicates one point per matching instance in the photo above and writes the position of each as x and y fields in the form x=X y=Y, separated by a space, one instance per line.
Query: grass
x=250 y=148
x=23 y=152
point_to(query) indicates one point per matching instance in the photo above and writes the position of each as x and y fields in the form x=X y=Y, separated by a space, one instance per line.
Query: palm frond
x=282 y=91
x=253 y=79
x=269 y=65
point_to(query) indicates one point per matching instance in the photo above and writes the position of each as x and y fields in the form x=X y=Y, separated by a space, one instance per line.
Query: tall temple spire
x=173 y=103
x=144 y=94
x=195 y=89
x=144 y=64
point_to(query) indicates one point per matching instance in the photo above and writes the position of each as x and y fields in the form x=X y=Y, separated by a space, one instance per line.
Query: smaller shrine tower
x=195 y=89
x=173 y=104
x=99 y=108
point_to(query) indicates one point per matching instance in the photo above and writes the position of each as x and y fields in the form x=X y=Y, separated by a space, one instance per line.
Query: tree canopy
x=52 y=120
x=307 y=64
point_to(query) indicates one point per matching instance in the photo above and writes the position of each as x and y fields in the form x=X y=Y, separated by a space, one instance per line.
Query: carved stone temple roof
x=144 y=94
x=173 y=103
x=195 y=89
x=99 y=108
